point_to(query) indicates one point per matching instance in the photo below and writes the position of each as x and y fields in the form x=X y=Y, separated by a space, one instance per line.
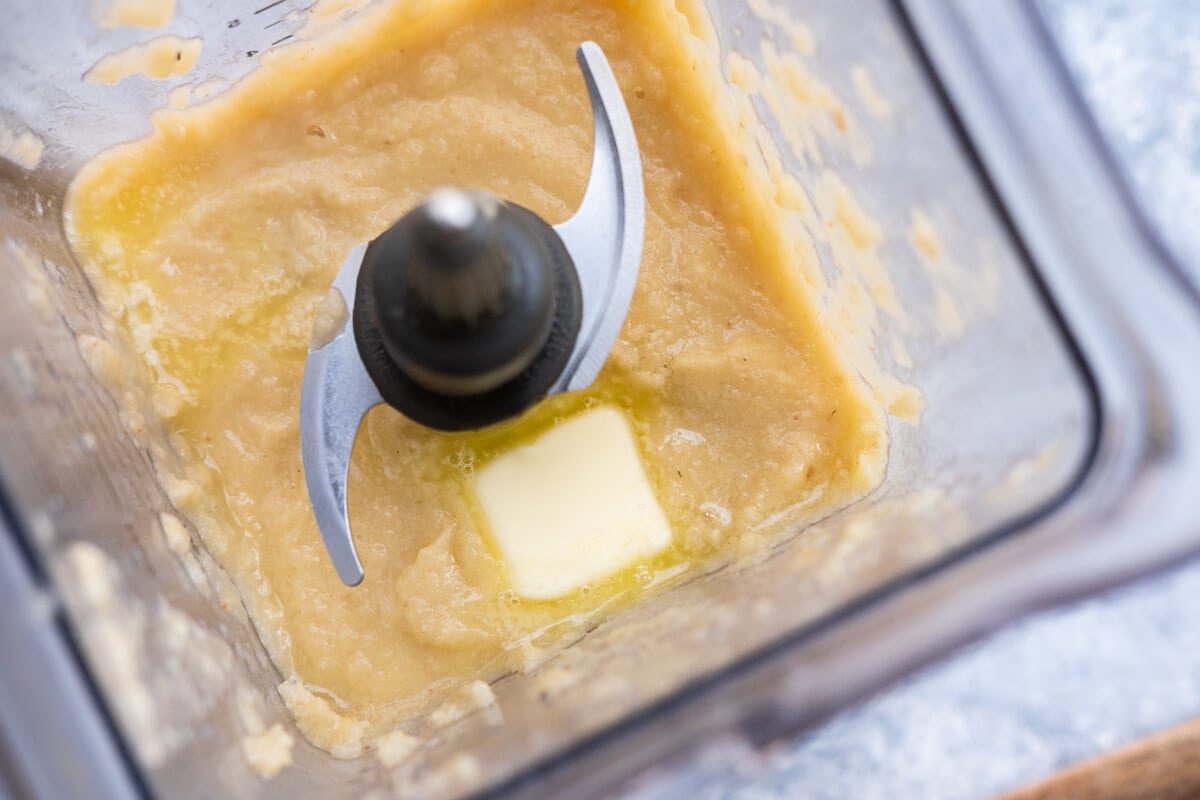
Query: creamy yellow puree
x=214 y=242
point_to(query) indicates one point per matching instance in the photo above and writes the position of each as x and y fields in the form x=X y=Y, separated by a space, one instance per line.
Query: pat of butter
x=572 y=507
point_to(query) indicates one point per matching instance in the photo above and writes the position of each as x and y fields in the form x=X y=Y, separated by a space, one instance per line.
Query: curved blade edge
x=605 y=235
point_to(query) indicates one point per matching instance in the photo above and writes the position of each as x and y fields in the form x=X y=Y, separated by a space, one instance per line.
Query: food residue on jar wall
x=133 y=13
x=811 y=118
x=158 y=59
x=188 y=660
x=800 y=36
x=872 y=99
x=22 y=147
